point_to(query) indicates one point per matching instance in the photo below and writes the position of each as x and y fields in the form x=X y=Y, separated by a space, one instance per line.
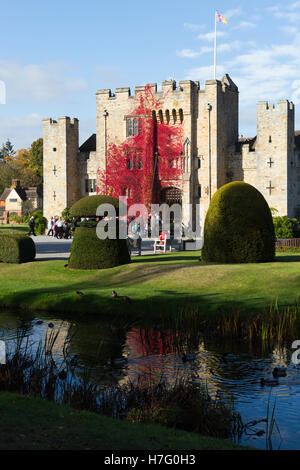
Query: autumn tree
x=7 y=150
x=25 y=164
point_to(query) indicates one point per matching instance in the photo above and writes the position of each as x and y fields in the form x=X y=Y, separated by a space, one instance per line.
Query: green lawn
x=22 y=228
x=34 y=424
x=157 y=285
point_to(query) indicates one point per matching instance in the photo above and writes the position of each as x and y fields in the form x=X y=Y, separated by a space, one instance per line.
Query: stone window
x=13 y=200
x=134 y=127
x=199 y=190
x=90 y=186
x=127 y=192
x=198 y=163
x=54 y=149
x=181 y=116
x=270 y=139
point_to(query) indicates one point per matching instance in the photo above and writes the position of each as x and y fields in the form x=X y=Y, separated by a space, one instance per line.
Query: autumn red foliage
x=147 y=161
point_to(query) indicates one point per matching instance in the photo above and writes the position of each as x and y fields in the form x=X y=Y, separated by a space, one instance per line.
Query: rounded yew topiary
x=238 y=226
x=16 y=248
x=87 y=250
x=87 y=206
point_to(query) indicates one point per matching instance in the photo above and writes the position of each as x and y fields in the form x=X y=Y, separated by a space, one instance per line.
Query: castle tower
x=216 y=132
x=61 y=178
x=275 y=155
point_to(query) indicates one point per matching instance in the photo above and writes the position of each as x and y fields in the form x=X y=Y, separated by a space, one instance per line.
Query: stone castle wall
x=210 y=133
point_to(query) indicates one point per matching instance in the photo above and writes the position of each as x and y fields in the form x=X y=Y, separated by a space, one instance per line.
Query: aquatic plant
x=182 y=405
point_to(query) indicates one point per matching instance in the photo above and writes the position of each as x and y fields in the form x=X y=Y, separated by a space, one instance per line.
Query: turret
x=60 y=164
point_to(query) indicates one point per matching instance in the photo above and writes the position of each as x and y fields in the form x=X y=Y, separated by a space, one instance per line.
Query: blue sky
x=55 y=54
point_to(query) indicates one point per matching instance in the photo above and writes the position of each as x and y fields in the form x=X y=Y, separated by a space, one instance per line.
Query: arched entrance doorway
x=171 y=196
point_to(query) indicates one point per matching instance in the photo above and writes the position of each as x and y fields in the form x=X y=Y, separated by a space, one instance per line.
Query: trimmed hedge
x=238 y=226
x=89 y=252
x=15 y=248
x=87 y=206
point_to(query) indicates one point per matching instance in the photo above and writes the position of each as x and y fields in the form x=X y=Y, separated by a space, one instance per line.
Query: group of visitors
x=58 y=228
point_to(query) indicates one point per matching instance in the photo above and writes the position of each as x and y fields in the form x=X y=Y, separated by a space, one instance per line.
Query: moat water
x=231 y=369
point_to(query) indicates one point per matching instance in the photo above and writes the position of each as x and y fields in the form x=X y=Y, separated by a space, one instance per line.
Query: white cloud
x=233 y=12
x=294 y=5
x=244 y=25
x=211 y=35
x=204 y=73
x=193 y=27
x=287 y=13
x=229 y=46
x=190 y=54
x=39 y=82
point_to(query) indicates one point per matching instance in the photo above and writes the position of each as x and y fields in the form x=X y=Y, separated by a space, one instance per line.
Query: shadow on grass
x=285 y=258
x=66 y=304
x=159 y=258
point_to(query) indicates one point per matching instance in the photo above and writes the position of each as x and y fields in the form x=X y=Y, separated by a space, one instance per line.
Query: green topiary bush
x=15 y=248
x=87 y=206
x=238 y=226
x=87 y=250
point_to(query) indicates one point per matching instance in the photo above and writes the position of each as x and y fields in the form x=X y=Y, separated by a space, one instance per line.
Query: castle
x=212 y=153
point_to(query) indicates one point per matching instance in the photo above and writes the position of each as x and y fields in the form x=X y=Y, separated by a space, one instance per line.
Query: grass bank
x=35 y=424
x=21 y=228
x=158 y=286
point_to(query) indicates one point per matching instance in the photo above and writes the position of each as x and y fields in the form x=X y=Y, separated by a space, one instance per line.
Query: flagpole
x=215 y=48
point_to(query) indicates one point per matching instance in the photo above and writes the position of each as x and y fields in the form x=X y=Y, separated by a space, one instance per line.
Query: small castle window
x=181 y=115
x=174 y=116
x=129 y=164
x=90 y=186
x=199 y=162
x=54 y=149
x=199 y=190
x=160 y=115
x=270 y=139
x=167 y=116
x=134 y=127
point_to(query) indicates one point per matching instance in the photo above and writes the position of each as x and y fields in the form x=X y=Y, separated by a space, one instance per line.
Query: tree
x=36 y=157
x=7 y=150
x=26 y=164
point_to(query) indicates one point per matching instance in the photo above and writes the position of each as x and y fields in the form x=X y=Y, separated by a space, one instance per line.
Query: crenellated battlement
x=167 y=86
x=281 y=105
x=62 y=120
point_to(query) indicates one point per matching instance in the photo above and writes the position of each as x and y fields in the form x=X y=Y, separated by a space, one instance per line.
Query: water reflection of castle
x=157 y=355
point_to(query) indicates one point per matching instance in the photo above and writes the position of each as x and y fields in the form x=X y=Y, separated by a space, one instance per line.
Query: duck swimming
x=188 y=357
x=279 y=372
x=268 y=382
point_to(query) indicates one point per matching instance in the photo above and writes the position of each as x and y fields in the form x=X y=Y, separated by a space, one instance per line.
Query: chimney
x=15 y=184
